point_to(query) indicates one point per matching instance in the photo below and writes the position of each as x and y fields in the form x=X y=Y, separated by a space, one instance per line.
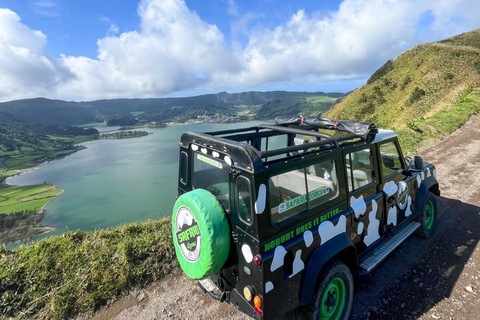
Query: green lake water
x=113 y=182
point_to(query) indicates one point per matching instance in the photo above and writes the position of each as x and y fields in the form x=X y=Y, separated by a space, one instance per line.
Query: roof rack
x=292 y=126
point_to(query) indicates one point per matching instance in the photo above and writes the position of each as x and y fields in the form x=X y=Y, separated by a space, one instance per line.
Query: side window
x=183 y=167
x=390 y=158
x=322 y=183
x=292 y=192
x=244 y=199
x=287 y=194
x=359 y=169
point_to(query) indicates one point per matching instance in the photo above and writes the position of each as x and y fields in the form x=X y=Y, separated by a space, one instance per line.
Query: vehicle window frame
x=184 y=168
x=400 y=158
x=372 y=168
x=250 y=189
x=229 y=179
x=308 y=210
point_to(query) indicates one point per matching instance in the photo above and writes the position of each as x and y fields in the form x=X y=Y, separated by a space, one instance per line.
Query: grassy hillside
x=58 y=277
x=25 y=143
x=420 y=85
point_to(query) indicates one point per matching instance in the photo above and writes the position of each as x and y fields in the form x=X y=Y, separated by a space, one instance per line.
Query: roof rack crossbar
x=297 y=131
x=219 y=133
x=250 y=136
x=306 y=146
x=271 y=153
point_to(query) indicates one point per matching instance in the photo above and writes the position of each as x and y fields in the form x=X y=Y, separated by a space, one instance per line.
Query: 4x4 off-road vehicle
x=275 y=218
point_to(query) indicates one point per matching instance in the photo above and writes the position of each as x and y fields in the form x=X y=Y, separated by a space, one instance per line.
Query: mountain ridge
x=74 y=113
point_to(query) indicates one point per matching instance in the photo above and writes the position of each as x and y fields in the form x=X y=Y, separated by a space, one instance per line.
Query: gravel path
x=438 y=278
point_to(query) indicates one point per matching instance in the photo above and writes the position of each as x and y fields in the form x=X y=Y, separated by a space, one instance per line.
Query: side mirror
x=418 y=163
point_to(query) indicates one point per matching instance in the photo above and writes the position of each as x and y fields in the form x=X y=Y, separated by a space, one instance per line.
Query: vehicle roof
x=384 y=134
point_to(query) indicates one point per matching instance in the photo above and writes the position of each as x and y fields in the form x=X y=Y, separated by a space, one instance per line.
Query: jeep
x=275 y=219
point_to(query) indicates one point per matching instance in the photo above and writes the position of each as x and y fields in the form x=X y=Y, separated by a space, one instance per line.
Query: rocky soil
x=437 y=278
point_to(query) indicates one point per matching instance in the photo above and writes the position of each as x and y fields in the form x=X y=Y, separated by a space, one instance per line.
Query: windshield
x=212 y=175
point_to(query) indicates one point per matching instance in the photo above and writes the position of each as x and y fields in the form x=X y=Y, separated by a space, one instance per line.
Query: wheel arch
x=430 y=184
x=339 y=247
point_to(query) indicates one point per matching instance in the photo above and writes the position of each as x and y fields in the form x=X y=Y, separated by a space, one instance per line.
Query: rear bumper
x=231 y=296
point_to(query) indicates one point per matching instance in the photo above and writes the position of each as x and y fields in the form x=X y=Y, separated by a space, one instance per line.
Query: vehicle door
x=396 y=187
x=364 y=196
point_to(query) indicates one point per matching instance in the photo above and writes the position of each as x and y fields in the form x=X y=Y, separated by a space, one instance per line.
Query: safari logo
x=188 y=234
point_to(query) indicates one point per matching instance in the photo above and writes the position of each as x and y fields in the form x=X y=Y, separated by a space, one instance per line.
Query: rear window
x=212 y=175
x=292 y=192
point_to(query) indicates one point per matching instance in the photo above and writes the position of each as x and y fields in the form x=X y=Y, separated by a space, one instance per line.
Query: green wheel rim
x=334 y=300
x=430 y=215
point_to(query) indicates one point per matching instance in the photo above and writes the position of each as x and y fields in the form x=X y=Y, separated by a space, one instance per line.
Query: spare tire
x=201 y=234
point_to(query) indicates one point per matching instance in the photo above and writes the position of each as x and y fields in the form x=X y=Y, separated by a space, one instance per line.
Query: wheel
x=428 y=217
x=201 y=234
x=334 y=296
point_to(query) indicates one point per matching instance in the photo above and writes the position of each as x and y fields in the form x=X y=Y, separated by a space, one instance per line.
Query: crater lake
x=114 y=181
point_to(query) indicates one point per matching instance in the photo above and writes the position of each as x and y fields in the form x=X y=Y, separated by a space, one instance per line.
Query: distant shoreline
x=18 y=172
x=24 y=226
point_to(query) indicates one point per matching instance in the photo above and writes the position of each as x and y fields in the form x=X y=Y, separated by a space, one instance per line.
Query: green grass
x=61 y=276
x=26 y=198
x=440 y=124
x=28 y=158
x=137 y=113
x=5 y=174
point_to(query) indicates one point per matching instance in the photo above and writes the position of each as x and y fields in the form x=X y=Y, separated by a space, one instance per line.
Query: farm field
x=26 y=198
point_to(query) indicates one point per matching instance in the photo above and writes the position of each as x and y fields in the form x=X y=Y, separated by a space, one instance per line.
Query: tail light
x=257 y=301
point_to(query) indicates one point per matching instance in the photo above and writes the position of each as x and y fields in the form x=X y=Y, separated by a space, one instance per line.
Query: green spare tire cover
x=201 y=234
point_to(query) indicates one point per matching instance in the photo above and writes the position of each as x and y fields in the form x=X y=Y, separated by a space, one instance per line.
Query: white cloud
x=25 y=69
x=113 y=27
x=175 y=51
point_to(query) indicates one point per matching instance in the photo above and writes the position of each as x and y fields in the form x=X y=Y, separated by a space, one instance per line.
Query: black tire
x=326 y=299
x=428 y=217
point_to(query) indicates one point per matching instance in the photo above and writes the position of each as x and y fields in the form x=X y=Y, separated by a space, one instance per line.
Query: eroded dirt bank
x=438 y=278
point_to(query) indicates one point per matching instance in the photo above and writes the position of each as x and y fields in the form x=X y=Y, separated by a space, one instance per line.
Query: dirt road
x=438 y=278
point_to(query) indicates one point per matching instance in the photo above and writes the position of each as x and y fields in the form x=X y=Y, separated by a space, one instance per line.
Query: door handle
x=391 y=199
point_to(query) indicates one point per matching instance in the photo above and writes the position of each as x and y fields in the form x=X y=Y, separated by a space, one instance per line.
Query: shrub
x=386 y=82
x=416 y=95
x=406 y=82
x=477 y=66
x=363 y=98
x=378 y=92
x=412 y=125
x=448 y=76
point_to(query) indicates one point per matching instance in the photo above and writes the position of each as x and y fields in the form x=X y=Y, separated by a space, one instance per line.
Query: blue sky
x=83 y=50
x=73 y=27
